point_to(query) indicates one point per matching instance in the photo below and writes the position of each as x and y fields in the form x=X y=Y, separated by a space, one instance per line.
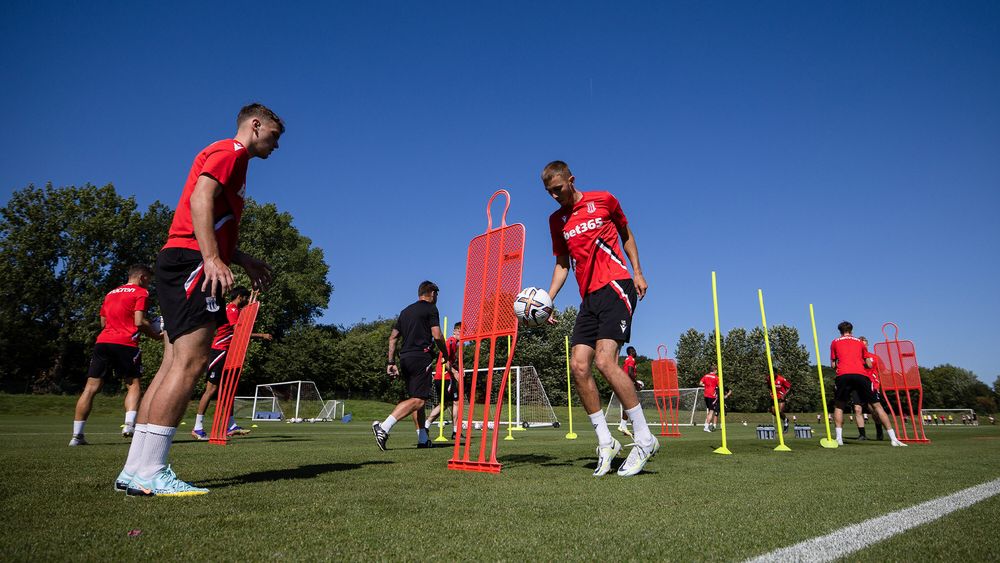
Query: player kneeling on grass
x=848 y=355
x=239 y=298
x=586 y=229
x=418 y=328
x=123 y=317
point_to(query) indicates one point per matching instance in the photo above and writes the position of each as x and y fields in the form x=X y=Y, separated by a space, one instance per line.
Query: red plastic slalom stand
x=232 y=370
x=492 y=282
x=666 y=392
x=901 y=375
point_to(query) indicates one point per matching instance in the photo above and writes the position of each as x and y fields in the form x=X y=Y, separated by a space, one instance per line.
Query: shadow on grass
x=301 y=472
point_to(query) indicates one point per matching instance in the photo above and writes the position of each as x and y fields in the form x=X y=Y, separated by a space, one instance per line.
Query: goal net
x=690 y=407
x=292 y=401
x=243 y=407
x=332 y=410
x=947 y=417
x=530 y=406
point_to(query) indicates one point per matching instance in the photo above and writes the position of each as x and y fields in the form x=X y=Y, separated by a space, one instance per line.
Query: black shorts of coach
x=853 y=382
x=216 y=361
x=184 y=305
x=125 y=361
x=418 y=373
x=606 y=314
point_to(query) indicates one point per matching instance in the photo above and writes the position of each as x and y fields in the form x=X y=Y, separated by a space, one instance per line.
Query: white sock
x=388 y=423
x=130 y=419
x=78 y=426
x=422 y=435
x=157 y=448
x=232 y=422
x=600 y=423
x=199 y=422
x=427 y=424
x=840 y=434
x=892 y=435
x=640 y=429
x=135 y=450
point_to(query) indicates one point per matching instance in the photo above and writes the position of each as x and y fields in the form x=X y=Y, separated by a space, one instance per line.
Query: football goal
x=291 y=401
x=691 y=407
x=530 y=406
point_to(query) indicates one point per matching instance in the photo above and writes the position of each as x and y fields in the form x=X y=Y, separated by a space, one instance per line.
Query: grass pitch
x=325 y=491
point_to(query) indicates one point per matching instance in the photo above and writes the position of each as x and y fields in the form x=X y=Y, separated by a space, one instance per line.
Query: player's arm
x=632 y=251
x=104 y=322
x=391 y=369
x=218 y=276
x=441 y=344
x=262 y=336
x=144 y=326
x=559 y=274
x=258 y=270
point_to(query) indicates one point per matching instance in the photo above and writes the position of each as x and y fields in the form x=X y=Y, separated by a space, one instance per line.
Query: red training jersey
x=873 y=372
x=629 y=367
x=587 y=232
x=711 y=383
x=781 y=385
x=849 y=352
x=118 y=310
x=452 y=346
x=224 y=334
x=226 y=162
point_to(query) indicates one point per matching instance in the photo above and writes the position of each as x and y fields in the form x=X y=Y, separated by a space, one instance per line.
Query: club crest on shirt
x=591 y=208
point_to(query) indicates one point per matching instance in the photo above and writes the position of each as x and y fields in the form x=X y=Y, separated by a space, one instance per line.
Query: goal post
x=690 y=407
x=530 y=405
x=291 y=401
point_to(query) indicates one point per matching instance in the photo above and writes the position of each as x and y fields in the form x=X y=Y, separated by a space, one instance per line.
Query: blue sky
x=843 y=154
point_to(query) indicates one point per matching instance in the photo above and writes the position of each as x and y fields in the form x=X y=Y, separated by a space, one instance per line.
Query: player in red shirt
x=628 y=366
x=123 y=317
x=451 y=386
x=848 y=357
x=192 y=276
x=585 y=236
x=783 y=387
x=874 y=375
x=239 y=297
x=710 y=381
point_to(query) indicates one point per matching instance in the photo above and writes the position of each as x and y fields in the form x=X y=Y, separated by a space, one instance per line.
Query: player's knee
x=606 y=365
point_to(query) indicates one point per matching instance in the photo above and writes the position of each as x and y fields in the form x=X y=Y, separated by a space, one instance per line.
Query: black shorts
x=418 y=373
x=216 y=361
x=451 y=390
x=183 y=304
x=851 y=383
x=126 y=361
x=712 y=404
x=606 y=314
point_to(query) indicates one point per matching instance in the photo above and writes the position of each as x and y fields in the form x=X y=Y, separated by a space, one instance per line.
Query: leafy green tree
x=61 y=250
x=695 y=357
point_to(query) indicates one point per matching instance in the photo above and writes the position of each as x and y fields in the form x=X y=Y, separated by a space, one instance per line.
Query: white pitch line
x=853 y=538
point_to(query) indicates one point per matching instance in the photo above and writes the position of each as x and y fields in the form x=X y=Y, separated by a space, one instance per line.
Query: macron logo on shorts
x=624 y=326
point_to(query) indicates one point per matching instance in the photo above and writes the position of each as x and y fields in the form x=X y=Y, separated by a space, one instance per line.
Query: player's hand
x=640 y=285
x=258 y=271
x=267 y=336
x=218 y=278
x=552 y=318
x=392 y=370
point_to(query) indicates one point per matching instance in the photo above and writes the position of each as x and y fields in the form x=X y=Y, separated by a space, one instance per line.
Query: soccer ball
x=533 y=306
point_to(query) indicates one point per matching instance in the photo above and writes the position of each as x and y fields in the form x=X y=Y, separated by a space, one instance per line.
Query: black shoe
x=381 y=436
x=427 y=444
x=453 y=436
x=862 y=438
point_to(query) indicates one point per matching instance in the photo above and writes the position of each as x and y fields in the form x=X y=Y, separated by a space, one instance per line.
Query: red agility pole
x=665 y=392
x=492 y=281
x=231 y=371
x=901 y=375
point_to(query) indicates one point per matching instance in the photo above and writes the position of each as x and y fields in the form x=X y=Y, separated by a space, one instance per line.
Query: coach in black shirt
x=418 y=326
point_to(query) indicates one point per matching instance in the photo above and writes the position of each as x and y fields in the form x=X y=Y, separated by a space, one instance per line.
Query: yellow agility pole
x=827 y=442
x=569 y=396
x=444 y=376
x=510 y=422
x=724 y=450
x=781 y=447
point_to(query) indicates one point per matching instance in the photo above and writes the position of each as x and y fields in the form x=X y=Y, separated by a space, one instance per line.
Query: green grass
x=325 y=491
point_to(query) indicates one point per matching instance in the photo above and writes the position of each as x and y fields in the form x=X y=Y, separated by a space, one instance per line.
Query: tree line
x=63 y=248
